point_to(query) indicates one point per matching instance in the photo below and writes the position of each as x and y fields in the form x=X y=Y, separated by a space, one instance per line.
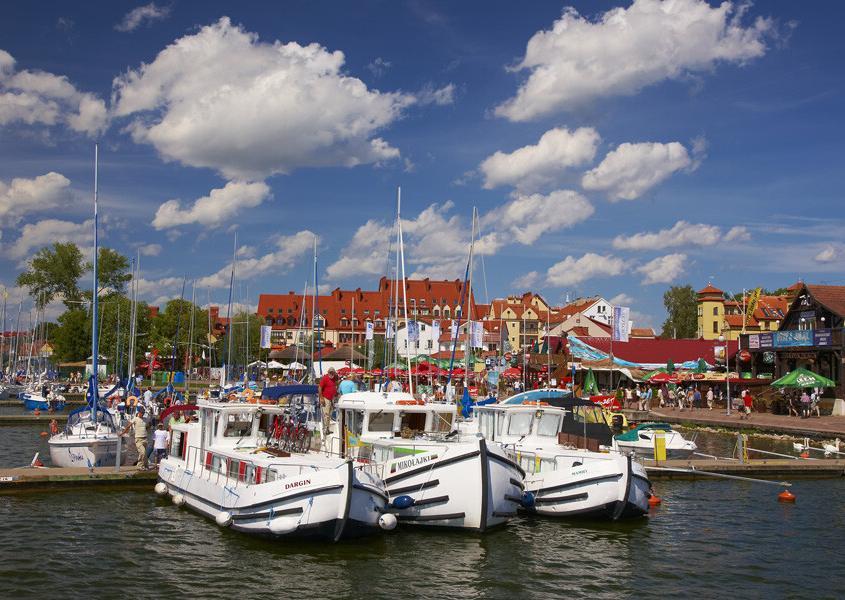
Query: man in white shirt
x=160 y=440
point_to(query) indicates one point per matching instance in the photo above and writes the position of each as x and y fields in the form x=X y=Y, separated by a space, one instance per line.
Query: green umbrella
x=590 y=385
x=670 y=366
x=802 y=378
x=701 y=367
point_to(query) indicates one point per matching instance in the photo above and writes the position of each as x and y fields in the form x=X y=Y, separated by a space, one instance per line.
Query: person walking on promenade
x=696 y=398
x=139 y=425
x=710 y=398
x=805 y=405
x=748 y=403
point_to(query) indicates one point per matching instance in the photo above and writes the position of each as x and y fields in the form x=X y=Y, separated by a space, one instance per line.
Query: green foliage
x=113 y=270
x=245 y=327
x=54 y=272
x=115 y=313
x=162 y=331
x=682 y=312
x=71 y=339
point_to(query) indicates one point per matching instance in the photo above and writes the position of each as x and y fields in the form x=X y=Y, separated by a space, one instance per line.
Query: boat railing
x=532 y=462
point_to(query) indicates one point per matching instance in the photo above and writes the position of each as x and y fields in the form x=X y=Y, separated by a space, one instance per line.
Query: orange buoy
x=804 y=454
x=786 y=496
x=44 y=434
x=654 y=500
x=37 y=463
x=36 y=412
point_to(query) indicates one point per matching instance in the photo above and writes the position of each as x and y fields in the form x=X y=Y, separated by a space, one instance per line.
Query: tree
x=113 y=270
x=54 y=272
x=162 y=331
x=71 y=339
x=682 y=312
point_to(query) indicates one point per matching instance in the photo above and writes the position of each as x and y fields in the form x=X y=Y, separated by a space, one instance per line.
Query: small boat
x=560 y=449
x=35 y=401
x=250 y=468
x=90 y=439
x=640 y=441
x=433 y=475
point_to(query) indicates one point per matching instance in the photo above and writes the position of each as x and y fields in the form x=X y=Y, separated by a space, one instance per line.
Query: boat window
x=249 y=473
x=176 y=443
x=442 y=421
x=271 y=475
x=355 y=421
x=234 y=466
x=485 y=424
x=265 y=423
x=587 y=414
x=412 y=423
x=548 y=424
x=238 y=425
x=520 y=423
x=218 y=464
x=500 y=423
x=381 y=421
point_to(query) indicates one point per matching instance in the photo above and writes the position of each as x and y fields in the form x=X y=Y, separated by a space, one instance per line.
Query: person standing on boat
x=139 y=426
x=328 y=391
x=347 y=386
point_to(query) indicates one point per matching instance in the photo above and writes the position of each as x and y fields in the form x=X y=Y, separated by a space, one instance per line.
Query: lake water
x=708 y=539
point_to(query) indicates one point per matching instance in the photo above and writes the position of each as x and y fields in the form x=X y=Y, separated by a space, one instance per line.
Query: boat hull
x=33 y=402
x=327 y=504
x=648 y=451
x=69 y=452
x=468 y=486
x=614 y=489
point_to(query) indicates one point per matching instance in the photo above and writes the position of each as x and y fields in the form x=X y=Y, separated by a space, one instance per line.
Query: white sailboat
x=225 y=466
x=91 y=437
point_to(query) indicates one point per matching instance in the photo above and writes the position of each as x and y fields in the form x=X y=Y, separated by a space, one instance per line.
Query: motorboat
x=33 y=400
x=90 y=439
x=248 y=467
x=641 y=441
x=433 y=475
x=570 y=471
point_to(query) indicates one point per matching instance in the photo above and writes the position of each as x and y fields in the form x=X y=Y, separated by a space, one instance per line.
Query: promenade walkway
x=815 y=427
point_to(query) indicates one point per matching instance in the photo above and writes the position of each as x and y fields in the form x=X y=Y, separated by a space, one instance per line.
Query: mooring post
x=117 y=458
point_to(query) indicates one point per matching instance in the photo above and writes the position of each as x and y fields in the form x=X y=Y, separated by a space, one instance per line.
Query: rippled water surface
x=708 y=539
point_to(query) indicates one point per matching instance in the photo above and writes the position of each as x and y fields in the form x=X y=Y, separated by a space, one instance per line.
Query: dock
x=826 y=427
x=30 y=419
x=777 y=469
x=53 y=479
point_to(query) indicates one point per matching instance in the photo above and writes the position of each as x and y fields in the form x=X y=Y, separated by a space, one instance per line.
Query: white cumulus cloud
x=142 y=15
x=22 y=196
x=437 y=96
x=288 y=250
x=663 y=269
x=738 y=233
x=215 y=209
x=827 y=254
x=626 y=49
x=527 y=217
x=526 y=281
x=681 y=233
x=41 y=98
x=630 y=170
x=572 y=270
x=621 y=299
x=150 y=249
x=222 y=99
x=534 y=165
x=34 y=236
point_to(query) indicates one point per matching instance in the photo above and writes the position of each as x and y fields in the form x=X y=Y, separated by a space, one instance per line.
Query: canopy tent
x=295 y=366
x=274 y=364
x=661 y=376
x=587 y=353
x=258 y=363
x=802 y=378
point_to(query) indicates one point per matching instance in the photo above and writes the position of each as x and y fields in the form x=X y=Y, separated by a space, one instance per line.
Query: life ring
x=249 y=395
x=130 y=401
x=410 y=402
x=534 y=403
x=267 y=401
x=233 y=397
x=168 y=401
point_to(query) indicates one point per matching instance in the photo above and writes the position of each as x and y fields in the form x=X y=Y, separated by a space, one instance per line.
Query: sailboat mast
x=93 y=389
x=133 y=317
x=3 y=334
x=404 y=286
x=191 y=333
x=228 y=367
x=467 y=348
x=315 y=325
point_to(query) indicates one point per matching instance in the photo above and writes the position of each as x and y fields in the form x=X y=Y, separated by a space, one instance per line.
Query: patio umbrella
x=590 y=385
x=802 y=378
x=661 y=377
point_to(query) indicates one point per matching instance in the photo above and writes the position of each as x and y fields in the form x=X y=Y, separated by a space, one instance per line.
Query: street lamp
x=727 y=376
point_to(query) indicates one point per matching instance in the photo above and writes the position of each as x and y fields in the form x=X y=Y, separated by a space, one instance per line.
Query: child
x=160 y=442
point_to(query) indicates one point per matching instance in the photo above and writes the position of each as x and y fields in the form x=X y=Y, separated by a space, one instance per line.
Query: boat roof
x=241 y=407
x=277 y=391
x=391 y=401
x=632 y=435
x=543 y=394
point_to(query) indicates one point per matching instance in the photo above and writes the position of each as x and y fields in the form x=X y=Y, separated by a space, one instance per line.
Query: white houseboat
x=232 y=465
x=433 y=475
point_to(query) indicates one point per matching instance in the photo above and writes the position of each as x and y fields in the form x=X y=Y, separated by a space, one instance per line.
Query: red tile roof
x=660 y=350
x=831 y=297
x=710 y=290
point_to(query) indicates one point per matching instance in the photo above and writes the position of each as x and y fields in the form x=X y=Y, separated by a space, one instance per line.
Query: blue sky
x=610 y=148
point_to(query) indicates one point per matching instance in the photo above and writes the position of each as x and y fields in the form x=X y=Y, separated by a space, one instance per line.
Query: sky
x=609 y=148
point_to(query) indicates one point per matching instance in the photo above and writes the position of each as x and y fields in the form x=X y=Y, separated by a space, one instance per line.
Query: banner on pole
x=413 y=331
x=265 y=336
x=477 y=334
x=621 y=316
x=435 y=330
x=389 y=331
x=370 y=330
x=453 y=333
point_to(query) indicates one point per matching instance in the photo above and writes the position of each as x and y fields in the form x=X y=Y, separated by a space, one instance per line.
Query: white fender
x=283 y=525
x=178 y=499
x=224 y=519
x=161 y=488
x=387 y=521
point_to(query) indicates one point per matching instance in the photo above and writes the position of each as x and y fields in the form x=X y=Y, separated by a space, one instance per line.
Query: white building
x=427 y=344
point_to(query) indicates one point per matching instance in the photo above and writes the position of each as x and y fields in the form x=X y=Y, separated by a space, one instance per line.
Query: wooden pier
x=51 y=479
x=30 y=419
x=777 y=469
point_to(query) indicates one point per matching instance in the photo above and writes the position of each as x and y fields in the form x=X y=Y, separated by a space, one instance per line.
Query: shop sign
x=800 y=355
x=754 y=341
x=823 y=337
x=766 y=340
x=792 y=338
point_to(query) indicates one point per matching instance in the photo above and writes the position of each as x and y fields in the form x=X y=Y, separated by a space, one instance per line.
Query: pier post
x=117 y=458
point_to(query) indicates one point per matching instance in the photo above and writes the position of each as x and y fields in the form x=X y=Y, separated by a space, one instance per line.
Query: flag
x=389 y=331
x=203 y=354
x=370 y=330
x=453 y=333
x=265 y=336
x=413 y=331
x=435 y=329
x=477 y=337
x=753 y=300
x=621 y=316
